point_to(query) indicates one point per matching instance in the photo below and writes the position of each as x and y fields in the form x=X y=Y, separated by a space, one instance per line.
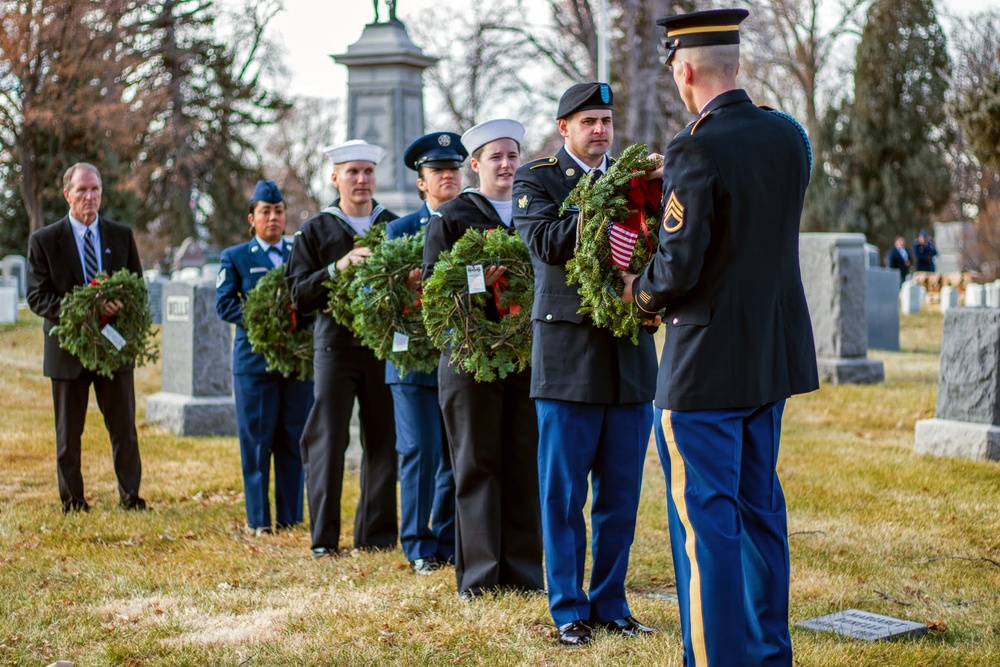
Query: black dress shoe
x=324 y=552
x=628 y=626
x=133 y=504
x=75 y=506
x=428 y=565
x=575 y=633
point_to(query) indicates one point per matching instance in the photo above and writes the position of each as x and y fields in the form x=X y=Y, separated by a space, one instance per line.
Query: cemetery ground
x=873 y=526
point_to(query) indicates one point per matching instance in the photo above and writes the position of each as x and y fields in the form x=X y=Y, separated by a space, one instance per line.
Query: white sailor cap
x=491 y=130
x=355 y=149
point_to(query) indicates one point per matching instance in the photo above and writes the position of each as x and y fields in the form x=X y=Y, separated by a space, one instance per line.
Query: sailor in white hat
x=343 y=369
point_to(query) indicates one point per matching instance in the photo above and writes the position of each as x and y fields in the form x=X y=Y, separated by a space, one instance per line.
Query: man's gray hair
x=86 y=166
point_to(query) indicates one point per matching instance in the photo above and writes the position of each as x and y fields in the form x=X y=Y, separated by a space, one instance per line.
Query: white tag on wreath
x=476 y=278
x=400 y=342
x=112 y=335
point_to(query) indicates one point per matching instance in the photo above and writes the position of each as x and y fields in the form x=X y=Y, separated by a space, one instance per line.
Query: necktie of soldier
x=89 y=256
x=274 y=254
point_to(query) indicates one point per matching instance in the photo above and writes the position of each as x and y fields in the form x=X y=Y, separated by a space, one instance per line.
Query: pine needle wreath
x=338 y=304
x=601 y=203
x=81 y=322
x=384 y=306
x=457 y=319
x=272 y=327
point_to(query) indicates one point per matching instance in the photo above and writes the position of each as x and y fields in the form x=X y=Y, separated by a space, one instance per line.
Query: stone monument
x=385 y=103
x=949 y=237
x=833 y=275
x=966 y=422
x=882 y=307
x=196 y=354
x=16 y=266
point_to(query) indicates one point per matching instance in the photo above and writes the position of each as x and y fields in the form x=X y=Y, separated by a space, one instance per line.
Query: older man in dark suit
x=61 y=256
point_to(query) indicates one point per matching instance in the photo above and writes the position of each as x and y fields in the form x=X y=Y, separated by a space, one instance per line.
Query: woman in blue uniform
x=271 y=410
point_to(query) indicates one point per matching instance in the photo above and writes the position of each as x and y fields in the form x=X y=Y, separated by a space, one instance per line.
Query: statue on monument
x=391 y=4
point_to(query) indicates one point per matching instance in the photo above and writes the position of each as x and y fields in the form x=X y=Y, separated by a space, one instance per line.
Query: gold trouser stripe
x=678 y=482
x=703 y=29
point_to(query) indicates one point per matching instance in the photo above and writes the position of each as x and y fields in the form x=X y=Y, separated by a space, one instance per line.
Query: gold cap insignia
x=522 y=203
x=570 y=171
x=673 y=210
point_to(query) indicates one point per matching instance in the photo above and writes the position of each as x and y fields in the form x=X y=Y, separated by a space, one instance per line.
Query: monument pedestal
x=967 y=440
x=192 y=415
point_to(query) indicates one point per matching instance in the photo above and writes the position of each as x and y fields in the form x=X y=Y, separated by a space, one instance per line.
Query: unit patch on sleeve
x=673 y=214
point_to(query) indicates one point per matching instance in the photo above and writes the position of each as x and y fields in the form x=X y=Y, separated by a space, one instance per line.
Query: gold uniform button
x=677 y=320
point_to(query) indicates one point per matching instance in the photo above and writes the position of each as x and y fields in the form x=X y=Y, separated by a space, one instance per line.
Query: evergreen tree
x=898 y=176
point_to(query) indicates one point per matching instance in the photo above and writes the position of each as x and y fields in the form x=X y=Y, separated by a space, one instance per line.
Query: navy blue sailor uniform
x=343 y=370
x=593 y=395
x=271 y=410
x=739 y=342
x=493 y=440
x=427 y=487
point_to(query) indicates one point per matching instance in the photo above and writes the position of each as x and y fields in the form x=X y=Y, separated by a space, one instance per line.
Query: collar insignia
x=571 y=171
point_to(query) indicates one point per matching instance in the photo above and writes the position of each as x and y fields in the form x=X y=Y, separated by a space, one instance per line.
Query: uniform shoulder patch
x=673 y=214
x=221 y=278
x=522 y=202
x=545 y=162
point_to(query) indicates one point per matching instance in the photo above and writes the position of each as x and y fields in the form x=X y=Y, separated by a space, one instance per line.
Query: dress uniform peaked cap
x=583 y=97
x=491 y=130
x=437 y=149
x=709 y=28
x=267 y=192
x=355 y=149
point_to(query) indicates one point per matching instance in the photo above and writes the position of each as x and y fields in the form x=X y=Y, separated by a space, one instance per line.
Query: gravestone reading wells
x=882 y=307
x=833 y=275
x=196 y=356
x=966 y=422
x=865 y=625
x=949 y=298
x=911 y=297
x=16 y=266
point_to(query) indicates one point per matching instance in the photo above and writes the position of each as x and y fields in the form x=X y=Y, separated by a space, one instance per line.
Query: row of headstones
x=912 y=296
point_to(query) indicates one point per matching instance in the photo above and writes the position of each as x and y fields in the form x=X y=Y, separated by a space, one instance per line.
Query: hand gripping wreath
x=89 y=335
x=613 y=236
x=273 y=330
x=458 y=319
x=387 y=313
x=338 y=304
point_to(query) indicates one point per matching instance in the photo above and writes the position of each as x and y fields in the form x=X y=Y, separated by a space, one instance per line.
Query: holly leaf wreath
x=339 y=298
x=487 y=349
x=89 y=335
x=387 y=313
x=273 y=330
x=613 y=235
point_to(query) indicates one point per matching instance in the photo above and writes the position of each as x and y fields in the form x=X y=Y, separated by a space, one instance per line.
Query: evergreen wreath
x=457 y=319
x=339 y=298
x=81 y=322
x=273 y=328
x=385 y=306
x=621 y=194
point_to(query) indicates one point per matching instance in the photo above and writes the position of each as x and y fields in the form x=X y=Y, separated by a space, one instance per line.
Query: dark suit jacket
x=727 y=268
x=54 y=269
x=571 y=359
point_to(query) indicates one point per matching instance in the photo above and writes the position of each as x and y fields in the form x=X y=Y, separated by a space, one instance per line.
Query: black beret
x=437 y=149
x=709 y=28
x=584 y=96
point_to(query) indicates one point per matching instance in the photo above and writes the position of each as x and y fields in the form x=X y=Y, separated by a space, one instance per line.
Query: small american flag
x=622 y=244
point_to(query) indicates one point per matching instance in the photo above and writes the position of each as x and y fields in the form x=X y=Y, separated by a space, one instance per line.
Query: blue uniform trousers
x=426 y=485
x=728 y=533
x=271 y=412
x=608 y=443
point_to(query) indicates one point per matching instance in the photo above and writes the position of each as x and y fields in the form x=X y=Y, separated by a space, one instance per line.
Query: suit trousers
x=339 y=376
x=426 y=484
x=271 y=412
x=728 y=534
x=116 y=400
x=606 y=443
x=493 y=438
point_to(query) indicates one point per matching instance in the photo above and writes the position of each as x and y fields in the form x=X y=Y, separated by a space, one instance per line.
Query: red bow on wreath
x=642 y=195
x=499 y=288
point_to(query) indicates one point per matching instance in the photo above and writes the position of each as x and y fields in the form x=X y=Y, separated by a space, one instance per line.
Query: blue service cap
x=708 y=28
x=266 y=191
x=437 y=149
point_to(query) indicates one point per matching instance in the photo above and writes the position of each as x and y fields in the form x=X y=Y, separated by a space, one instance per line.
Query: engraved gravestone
x=865 y=625
x=882 y=307
x=16 y=266
x=154 y=296
x=197 y=379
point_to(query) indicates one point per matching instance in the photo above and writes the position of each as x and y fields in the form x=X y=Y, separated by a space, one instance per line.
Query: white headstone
x=8 y=305
x=993 y=294
x=188 y=273
x=975 y=295
x=16 y=266
x=911 y=297
x=949 y=298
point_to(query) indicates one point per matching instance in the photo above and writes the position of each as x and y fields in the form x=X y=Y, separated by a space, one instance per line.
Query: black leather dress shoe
x=323 y=552
x=75 y=506
x=133 y=504
x=575 y=633
x=628 y=627
x=428 y=565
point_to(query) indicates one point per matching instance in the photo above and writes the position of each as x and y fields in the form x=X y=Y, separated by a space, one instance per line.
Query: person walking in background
x=738 y=343
x=61 y=256
x=897 y=258
x=343 y=369
x=271 y=410
x=426 y=483
x=924 y=252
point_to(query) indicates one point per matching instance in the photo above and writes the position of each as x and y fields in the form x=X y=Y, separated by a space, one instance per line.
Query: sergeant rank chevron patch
x=673 y=210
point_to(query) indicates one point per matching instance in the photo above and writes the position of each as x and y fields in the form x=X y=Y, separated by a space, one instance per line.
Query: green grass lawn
x=873 y=525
